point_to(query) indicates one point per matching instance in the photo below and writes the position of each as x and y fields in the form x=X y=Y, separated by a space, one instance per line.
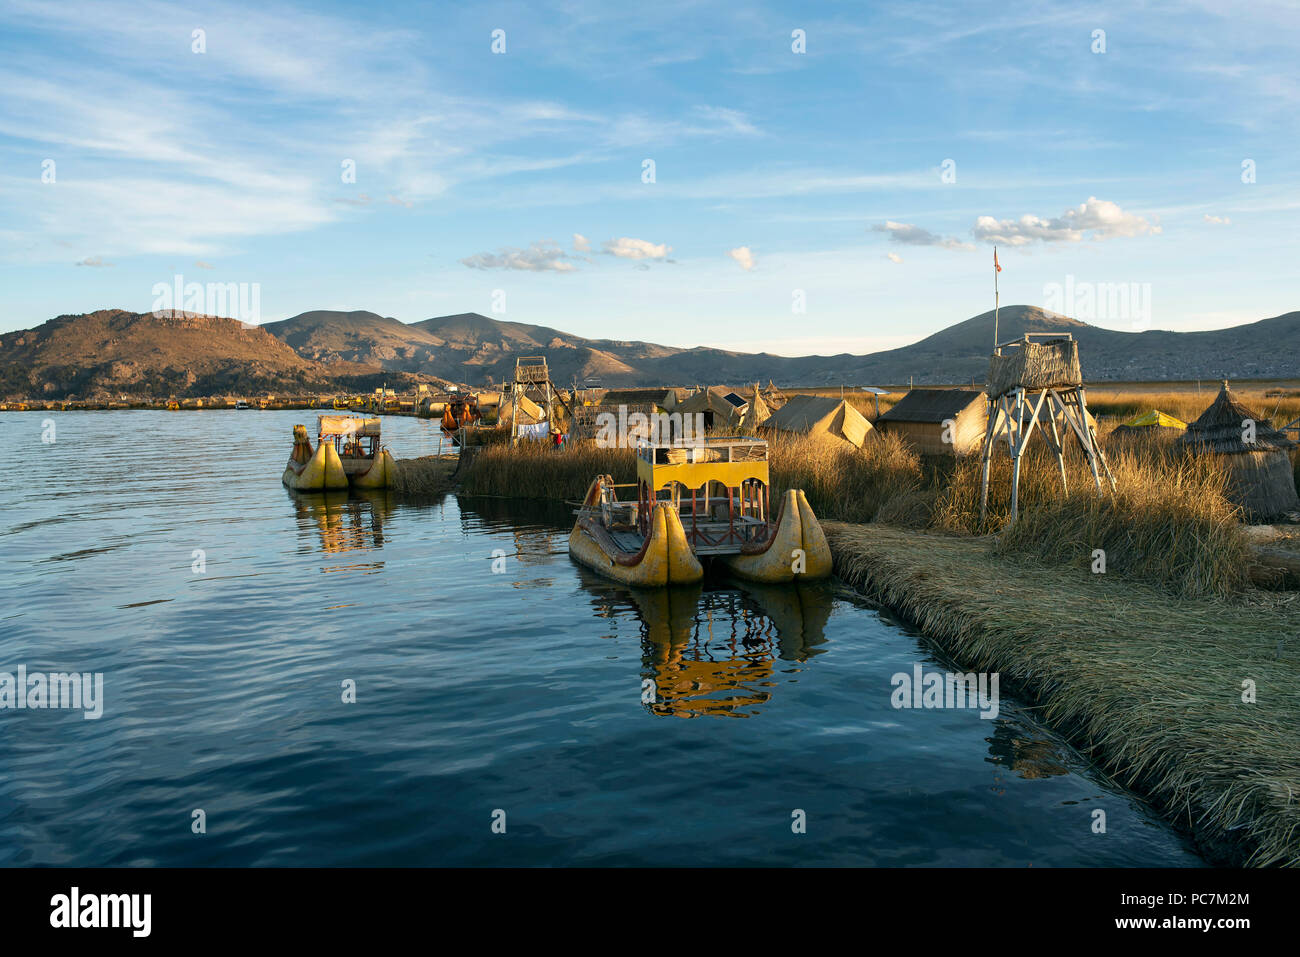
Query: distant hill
x=361 y=337
x=1268 y=349
x=112 y=351
x=469 y=347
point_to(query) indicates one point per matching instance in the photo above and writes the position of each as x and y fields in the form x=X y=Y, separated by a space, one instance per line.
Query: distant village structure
x=819 y=417
x=1256 y=454
x=939 y=421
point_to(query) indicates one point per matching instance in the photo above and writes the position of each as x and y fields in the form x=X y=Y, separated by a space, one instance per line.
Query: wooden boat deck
x=708 y=539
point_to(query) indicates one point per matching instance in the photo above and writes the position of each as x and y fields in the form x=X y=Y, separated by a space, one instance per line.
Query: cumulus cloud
x=1218 y=220
x=93 y=261
x=626 y=248
x=894 y=257
x=543 y=256
x=913 y=235
x=1093 y=219
x=581 y=243
x=743 y=256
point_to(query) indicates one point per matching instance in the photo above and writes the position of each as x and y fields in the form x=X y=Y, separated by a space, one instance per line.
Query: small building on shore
x=819 y=417
x=640 y=399
x=719 y=414
x=920 y=418
x=1256 y=454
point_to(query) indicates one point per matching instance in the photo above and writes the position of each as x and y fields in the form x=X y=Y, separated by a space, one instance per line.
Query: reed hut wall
x=922 y=417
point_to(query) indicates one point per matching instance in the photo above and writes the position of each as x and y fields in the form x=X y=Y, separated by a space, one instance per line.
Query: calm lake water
x=519 y=690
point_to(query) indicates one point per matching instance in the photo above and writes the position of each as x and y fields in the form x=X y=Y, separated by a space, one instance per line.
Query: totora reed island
x=571 y=445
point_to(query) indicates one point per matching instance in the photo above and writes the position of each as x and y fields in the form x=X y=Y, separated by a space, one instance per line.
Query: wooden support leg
x=1052 y=407
x=1096 y=445
x=1018 y=449
x=989 y=439
x=1087 y=438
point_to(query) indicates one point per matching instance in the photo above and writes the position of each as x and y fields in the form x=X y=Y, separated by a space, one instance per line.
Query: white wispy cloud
x=543 y=256
x=743 y=256
x=627 y=248
x=912 y=235
x=1094 y=219
x=1218 y=220
x=894 y=258
x=132 y=101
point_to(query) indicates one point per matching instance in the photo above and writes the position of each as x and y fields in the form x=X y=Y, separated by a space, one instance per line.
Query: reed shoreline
x=1147 y=687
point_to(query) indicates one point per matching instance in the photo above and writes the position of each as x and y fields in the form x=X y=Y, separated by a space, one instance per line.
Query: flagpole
x=995 y=299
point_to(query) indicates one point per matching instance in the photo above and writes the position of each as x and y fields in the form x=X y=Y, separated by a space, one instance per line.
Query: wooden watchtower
x=1029 y=379
x=533 y=382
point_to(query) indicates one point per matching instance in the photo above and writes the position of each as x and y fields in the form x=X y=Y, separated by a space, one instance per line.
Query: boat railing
x=740 y=448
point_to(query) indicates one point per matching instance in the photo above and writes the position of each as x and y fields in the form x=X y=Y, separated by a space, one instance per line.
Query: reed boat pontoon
x=694 y=503
x=348 y=454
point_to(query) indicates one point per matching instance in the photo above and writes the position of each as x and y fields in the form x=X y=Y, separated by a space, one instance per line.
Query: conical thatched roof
x=1261 y=479
x=756 y=414
x=1223 y=426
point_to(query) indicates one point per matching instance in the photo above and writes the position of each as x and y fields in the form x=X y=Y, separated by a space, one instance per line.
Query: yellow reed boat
x=348 y=454
x=699 y=502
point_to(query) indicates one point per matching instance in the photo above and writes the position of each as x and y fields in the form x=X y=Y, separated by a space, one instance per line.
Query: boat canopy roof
x=347 y=425
x=728 y=459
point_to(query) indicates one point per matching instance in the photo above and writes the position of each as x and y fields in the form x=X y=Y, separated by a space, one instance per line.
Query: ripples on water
x=475 y=691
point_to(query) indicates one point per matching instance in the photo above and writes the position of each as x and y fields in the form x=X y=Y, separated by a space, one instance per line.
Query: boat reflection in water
x=351 y=521
x=538 y=530
x=716 y=651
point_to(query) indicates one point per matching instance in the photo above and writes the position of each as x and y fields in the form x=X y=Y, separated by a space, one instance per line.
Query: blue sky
x=775 y=171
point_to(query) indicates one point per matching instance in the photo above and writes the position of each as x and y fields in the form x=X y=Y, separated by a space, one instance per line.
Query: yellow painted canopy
x=347 y=425
x=1156 y=417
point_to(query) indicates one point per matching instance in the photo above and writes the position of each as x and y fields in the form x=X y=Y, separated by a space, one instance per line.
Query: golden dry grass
x=1186 y=403
x=539 y=470
x=1147 y=686
x=853 y=485
x=428 y=475
x=1168 y=521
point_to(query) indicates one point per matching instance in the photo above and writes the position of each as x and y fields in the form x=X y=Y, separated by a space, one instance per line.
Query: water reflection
x=539 y=529
x=1030 y=755
x=713 y=650
x=343 y=522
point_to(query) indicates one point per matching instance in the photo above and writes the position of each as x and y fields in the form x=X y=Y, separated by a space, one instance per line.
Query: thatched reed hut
x=718 y=413
x=921 y=419
x=1262 y=482
x=756 y=413
x=664 y=399
x=820 y=417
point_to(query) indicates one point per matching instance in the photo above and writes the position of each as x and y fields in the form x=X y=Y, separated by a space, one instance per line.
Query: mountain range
x=115 y=351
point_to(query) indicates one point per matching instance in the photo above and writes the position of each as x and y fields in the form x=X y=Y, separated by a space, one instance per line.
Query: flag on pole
x=995 y=259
